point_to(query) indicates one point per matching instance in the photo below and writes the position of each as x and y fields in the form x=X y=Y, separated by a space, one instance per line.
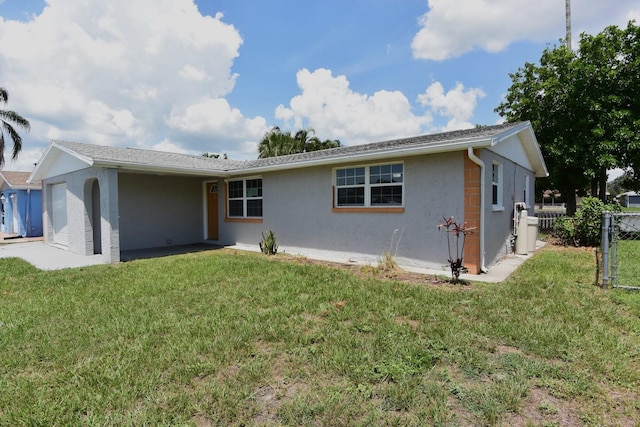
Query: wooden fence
x=546 y=219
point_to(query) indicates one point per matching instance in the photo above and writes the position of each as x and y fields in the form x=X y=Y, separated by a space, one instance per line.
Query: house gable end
x=57 y=162
x=512 y=149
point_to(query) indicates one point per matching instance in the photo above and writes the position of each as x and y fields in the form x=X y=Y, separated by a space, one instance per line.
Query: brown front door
x=212 y=210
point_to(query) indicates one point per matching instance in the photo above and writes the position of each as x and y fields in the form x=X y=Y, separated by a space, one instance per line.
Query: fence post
x=606 y=224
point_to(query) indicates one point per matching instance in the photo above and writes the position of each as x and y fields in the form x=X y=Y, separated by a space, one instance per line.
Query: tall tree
x=280 y=143
x=583 y=106
x=567 y=8
x=10 y=119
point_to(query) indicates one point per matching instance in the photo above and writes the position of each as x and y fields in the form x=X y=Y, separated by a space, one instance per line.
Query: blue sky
x=193 y=76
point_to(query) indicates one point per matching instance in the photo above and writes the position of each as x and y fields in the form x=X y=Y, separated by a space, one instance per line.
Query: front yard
x=233 y=338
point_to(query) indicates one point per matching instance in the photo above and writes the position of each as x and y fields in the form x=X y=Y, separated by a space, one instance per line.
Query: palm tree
x=10 y=119
x=278 y=143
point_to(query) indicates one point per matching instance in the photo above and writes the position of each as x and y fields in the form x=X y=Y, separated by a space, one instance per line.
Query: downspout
x=475 y=159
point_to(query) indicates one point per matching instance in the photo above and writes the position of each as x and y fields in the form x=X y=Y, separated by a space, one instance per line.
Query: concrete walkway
x=46 y=257
x=499 y=272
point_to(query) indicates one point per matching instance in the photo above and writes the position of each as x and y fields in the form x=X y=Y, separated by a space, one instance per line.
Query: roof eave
x=25 y=187
x=395 y=152
x=140 y=167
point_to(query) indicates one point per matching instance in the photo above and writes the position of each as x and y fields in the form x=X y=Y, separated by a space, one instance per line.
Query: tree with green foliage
x=585 y=227
x=9 y=119
x=584 y=108
x=281 y=143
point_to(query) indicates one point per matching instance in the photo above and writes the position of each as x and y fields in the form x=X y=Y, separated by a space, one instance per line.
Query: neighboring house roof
x=156 y=161
x=18 y=181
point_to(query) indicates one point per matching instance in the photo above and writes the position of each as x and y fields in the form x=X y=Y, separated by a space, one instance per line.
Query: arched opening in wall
x=95 y=220
x=92 y=208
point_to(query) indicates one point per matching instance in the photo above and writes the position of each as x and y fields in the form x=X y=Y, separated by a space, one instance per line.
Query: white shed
x=630 y=199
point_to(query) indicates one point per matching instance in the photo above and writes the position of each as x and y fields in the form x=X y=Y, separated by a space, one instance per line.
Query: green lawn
x=224 y=338
x=628 y=263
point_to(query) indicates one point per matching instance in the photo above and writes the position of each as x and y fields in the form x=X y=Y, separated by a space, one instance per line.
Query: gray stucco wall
x=80 y=218
x=499 y=223
x=297 y=206
x=158 y=211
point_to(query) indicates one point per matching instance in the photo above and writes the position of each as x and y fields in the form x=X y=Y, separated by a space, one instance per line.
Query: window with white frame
x=244 y=198
x=496 y=185
x=370 y=186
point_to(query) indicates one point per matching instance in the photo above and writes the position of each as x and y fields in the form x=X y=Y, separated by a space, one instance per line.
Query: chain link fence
x=621 y=250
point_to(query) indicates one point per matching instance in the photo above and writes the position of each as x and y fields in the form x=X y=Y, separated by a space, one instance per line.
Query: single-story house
x=359 y=200
x=20 y=204
x=630 y=199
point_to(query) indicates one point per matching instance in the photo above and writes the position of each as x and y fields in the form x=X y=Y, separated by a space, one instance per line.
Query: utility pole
x=568 y=18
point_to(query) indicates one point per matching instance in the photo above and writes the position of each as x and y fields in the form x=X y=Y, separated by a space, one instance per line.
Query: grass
x=224 y=338
x=628 y=271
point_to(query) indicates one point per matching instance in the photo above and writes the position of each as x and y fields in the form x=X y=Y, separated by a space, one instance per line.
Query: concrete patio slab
x=46 y=257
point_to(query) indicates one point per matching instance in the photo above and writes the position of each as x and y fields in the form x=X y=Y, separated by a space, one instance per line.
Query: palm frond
x=15 y=137
x=1 y=148
x=17 y=119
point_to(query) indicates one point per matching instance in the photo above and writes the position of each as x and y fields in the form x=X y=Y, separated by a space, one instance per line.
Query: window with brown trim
x=244 y=198
x=373 y=186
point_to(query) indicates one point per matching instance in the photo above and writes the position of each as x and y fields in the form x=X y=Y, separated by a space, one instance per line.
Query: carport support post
x=606 y=223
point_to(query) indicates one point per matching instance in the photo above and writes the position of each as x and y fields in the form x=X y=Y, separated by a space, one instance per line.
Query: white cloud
x=166 y=145
x=143 y=73
x=452 y=28
x=634 y=15
x=214 y=120
x=25 y=161
x=328 y=103
x=189 y=72
x=457 y=104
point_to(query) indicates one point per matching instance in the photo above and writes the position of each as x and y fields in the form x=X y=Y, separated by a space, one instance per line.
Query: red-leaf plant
x=458 y=232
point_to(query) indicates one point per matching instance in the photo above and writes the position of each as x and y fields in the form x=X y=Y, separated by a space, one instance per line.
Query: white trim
x=213 y=173
x=244 y=199
x=367 y=185
x=498 y=205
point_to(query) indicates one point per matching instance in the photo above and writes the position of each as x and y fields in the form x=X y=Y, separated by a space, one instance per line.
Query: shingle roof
x=483 y=132
x=149 y=160
x=18 y=180
x=134 y=156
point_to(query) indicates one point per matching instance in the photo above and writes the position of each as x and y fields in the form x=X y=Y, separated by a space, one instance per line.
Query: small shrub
x=268 y=245
x=588 y=221
x=564 y=230
x=585 y=228
x=456 y=236
x=387 y=262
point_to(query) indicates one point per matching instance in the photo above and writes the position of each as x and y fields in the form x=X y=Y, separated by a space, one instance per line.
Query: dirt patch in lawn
x=368 y=271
